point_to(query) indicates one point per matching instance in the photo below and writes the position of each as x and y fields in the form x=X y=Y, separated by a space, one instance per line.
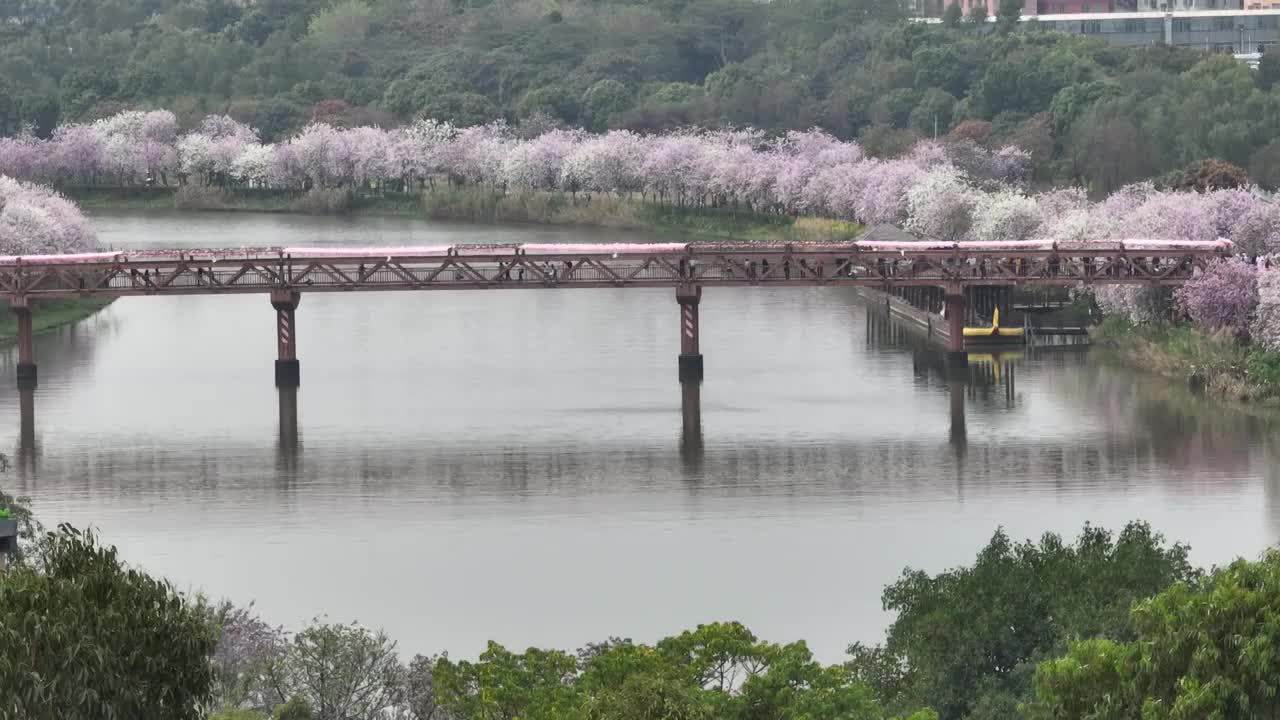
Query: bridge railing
x=241 y=271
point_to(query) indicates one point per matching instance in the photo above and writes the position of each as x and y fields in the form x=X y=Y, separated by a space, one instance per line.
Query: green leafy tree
x=502 y=685
x=965 y=637
x=85 y=637
x=952 y=16
x=718 y=671
x=461 y=109
x=1268 y=71
x=604 y=100
x=1264 y=165
x=932 y=116
x=1211 y=174
x=1204 y=648
x=341 y=672
x=1007 y=15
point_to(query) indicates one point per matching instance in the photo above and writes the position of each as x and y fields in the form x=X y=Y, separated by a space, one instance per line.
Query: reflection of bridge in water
x=886 y=465
x=874 y=466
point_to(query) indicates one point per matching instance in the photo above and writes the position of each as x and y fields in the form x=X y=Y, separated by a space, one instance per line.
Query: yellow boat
x=995 y=333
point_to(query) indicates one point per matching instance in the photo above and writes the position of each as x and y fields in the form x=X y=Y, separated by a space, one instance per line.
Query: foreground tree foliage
x=719 y=671
x=1205 y=648
x=85 y=637
x=966 y=641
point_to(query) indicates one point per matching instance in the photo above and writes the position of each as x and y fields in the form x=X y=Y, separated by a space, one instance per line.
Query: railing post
x=688 y=296
x=21 y=308
x=285 y=303
x=956 y=311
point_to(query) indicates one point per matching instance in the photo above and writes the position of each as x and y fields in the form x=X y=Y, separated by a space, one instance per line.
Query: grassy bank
x=625 y=212
x=477 y=204
x=50 y=315
x=195 y=197
x=1216 y=364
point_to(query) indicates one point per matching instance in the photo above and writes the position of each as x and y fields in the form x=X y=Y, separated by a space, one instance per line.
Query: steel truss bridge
x=286 y=273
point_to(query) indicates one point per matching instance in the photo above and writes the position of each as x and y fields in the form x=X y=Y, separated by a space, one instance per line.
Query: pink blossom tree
x=941 y=205
x=1266 y=322
x=1223 y=295
x=36 y=220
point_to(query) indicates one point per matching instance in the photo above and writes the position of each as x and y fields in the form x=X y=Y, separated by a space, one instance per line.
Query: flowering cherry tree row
x=952 y=191
x=34 y=220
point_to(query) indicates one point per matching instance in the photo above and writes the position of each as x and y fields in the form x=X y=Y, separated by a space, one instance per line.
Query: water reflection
x=958 y=436
x=289 y=442
x=528 y=454
x=27 y=451
x=691 y=446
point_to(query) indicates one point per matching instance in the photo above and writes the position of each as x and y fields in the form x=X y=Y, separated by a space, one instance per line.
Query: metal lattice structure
x=475 y=267
x=286 y=274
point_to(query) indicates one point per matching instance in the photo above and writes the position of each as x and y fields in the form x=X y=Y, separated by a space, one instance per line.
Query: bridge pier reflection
x=288 y=443
x=691 y=447
x=959 y=437
x=27 y=451
x=26 y=342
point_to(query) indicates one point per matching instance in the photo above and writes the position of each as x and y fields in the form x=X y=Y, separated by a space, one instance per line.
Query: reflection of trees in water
x=58 y=354
x=1147 y=427
x=411 y=468
x=1186 y=431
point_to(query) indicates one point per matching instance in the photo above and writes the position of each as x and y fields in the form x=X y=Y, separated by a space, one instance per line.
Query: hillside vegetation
x=1085 y=111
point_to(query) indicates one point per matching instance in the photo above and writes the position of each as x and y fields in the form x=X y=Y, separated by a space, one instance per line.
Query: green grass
x=478 y=204
x=481 y=204
x=193 y=197
x=1228 y=368
x=141 y=198
x=50 y=315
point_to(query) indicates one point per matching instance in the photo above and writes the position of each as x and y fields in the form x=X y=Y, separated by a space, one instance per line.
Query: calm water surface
x=511 y=465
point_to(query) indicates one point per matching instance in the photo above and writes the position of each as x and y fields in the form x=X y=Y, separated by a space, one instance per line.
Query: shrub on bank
x=1201 y=649
x=84 y=636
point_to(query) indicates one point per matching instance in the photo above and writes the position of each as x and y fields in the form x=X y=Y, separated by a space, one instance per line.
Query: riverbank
x=478 y=204
x=1216 y=364
x=50 y=315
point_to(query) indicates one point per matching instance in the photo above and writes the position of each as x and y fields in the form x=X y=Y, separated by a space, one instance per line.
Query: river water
x=469 y=466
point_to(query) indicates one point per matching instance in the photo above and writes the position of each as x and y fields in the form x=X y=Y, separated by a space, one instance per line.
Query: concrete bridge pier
x=285 y=303
x=957 y=310
x=21 y=308
x=690 y=357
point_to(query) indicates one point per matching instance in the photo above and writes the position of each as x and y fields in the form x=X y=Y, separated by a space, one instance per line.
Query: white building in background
x=1240 y=32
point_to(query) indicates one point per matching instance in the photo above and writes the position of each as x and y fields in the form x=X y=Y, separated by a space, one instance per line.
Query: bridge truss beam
x=227 y=272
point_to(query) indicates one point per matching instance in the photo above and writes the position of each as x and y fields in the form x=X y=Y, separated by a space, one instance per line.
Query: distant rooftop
x=1142 y=15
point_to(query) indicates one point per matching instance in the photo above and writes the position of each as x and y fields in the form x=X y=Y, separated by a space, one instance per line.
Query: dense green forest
x=856 y=68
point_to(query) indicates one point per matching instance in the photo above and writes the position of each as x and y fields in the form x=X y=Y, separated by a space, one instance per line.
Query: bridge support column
x=285 y=303
x=26 y=343
x=957 y=310
x=690 y=357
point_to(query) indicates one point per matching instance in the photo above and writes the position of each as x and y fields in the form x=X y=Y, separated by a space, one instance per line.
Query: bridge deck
x=878 y=264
